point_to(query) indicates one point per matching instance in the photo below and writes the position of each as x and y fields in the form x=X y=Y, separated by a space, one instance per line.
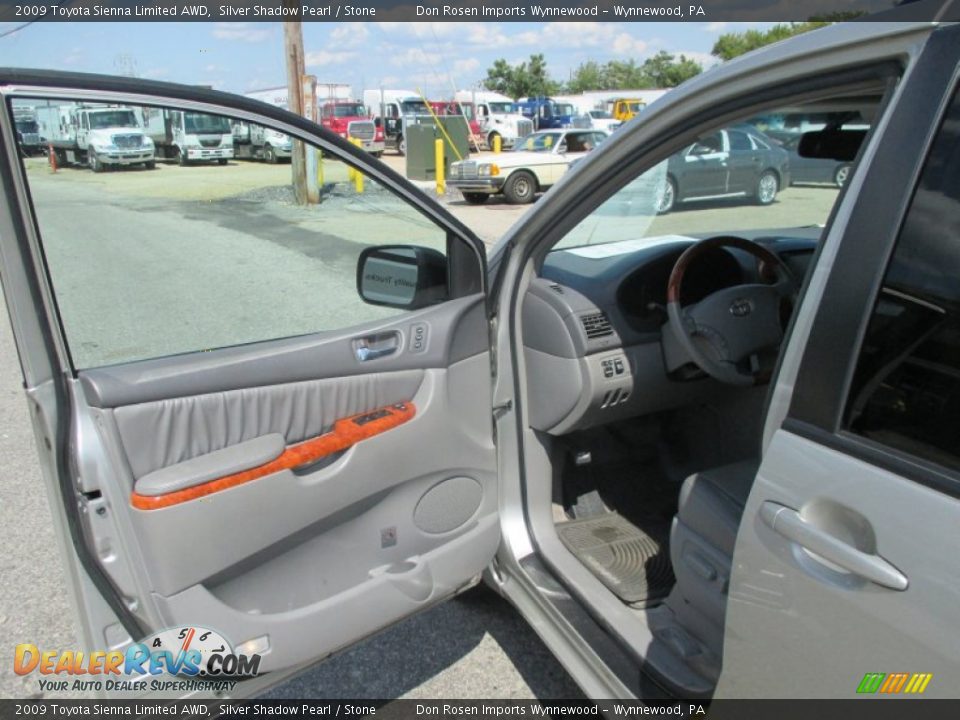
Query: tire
x=270 y=155
x=401 y=146
x=378 y=154
x=476 y=198
x=768 y=184
x=182 y=158
x=94 y=162
x=520 y=188
x=491 y=138
x=221 y=161
x=667 y=201
x=840 y=175
x=150 y=165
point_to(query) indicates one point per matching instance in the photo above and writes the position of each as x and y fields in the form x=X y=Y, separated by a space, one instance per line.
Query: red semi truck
x=349 y=119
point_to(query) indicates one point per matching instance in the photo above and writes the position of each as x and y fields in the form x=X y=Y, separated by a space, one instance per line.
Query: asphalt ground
x=475 y=646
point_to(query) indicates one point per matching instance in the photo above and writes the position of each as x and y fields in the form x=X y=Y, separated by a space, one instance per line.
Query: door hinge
x=502 y=409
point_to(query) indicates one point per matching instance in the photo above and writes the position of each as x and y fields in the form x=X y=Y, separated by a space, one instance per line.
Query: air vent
x=596 y=325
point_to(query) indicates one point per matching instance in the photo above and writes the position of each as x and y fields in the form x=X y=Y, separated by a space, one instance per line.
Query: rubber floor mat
x=633 y=563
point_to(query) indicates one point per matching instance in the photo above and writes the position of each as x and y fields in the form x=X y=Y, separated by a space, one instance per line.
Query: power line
x=28 y=23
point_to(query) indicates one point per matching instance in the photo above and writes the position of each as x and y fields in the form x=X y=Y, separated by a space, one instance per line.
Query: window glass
x=702 y=190
x=173 y=232
x=906 y=388
x=739 y=140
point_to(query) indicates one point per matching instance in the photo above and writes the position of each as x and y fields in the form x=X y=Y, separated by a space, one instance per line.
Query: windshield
x=351 y=110
x=538 y=142
x=564 y=109
x=202 y=123
x=502 y=107
x=600 y=115
x=27 y=126
x=635 y=106
x=112 y=118
x=414 y=107
x=695 y=194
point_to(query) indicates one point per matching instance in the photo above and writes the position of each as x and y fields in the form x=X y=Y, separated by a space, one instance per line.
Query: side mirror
x=402 y=276
x=700 y=149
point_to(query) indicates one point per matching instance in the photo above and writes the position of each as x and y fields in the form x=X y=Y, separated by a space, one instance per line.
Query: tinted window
x=906 y=389
x=739 y=141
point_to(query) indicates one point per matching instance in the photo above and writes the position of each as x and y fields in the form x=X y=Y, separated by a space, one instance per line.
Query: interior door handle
x=787 y=522
x=376 y=346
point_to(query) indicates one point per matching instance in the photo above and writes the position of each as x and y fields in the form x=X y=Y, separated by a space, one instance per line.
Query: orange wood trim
x=345 y=434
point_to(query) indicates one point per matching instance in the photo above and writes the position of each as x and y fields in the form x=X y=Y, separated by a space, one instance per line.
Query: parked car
x=736 y=162
x=695 y=481
x=535 y=164
x=814 y=170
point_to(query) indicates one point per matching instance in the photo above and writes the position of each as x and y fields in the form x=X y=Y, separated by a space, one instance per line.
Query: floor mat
x=633 y=563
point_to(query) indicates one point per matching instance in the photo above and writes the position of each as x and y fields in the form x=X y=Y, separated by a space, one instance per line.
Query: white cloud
x=466 y=65
x=244 y=32
x=626 y=44
x=349 y=35
x=413 y=56
x=716 y=27
x=321 y=58
x=705 y=59
x=157 y=73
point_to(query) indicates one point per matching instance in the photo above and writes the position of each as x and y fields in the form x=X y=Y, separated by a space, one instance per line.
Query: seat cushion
x=712 y=502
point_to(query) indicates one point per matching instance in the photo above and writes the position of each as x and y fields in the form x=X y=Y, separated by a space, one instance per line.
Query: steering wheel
x=728 y=328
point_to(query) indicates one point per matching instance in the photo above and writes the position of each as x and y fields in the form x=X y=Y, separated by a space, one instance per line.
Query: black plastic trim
x=832 y=348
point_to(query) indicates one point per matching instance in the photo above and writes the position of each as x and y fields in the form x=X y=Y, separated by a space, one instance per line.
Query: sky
x=434 y=57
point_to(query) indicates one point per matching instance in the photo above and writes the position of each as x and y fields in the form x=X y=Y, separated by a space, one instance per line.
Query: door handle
x=788 y=523
x=376 y=346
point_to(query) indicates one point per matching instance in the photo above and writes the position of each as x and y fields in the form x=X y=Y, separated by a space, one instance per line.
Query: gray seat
x=703 y=535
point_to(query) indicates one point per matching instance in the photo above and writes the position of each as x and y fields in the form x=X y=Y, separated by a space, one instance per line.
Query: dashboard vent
x=596 y=325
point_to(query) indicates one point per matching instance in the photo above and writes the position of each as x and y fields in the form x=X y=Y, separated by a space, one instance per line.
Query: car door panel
x=300 y=492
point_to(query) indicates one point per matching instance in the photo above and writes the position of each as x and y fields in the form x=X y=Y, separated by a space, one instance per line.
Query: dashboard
x=594 y=321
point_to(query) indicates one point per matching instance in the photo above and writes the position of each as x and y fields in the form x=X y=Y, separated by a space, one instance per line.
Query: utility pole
x=293 y=52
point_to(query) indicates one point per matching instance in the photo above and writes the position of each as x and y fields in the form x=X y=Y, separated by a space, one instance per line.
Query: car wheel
x=840 y=176
x=668 y=198
x=378 y=154
x=767 y=187
x=401 y=145
x=95 y=163
x=150 y=165
x=182 y=158
x=222 y=161
x=476 y=198
x=520 y=188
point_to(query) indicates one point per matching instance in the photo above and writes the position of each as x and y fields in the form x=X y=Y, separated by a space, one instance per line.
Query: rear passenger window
x=739 y=141
x=906 y=388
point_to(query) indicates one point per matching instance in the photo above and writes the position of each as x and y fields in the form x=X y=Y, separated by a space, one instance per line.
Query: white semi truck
x=99 y=136
x=256 y=142
x=393 y=111
x=498 y=116
x=188 y=136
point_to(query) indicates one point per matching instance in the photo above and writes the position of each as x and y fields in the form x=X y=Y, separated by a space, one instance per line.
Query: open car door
x=238 y=447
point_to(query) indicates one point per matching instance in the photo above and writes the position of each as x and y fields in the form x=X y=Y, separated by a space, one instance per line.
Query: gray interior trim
x=213 y=465
x=458 y=330
x=167 y=433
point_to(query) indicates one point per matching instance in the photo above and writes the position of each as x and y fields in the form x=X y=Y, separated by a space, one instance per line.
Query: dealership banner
x=486 y=709
x=475 y=10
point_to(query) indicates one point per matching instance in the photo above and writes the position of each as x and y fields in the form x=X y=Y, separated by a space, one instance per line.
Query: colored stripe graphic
x=894 y=683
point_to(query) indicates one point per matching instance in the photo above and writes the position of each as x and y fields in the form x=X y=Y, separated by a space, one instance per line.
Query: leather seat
x=704 y=532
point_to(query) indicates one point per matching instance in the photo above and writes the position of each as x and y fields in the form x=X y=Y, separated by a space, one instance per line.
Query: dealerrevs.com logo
x=173 y=660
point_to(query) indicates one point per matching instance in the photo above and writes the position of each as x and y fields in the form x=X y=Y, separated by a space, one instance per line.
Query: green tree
x=527 y=78
x=665 y=70
x=587 y=76
x=730 y=45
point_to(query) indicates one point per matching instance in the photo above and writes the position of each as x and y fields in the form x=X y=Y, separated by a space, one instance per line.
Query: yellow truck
x=624 y=109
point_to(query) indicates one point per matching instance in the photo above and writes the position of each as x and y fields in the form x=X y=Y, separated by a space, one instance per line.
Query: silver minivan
x=710 y=453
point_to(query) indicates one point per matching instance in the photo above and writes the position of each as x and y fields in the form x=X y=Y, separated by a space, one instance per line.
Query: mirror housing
x=402 y=276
